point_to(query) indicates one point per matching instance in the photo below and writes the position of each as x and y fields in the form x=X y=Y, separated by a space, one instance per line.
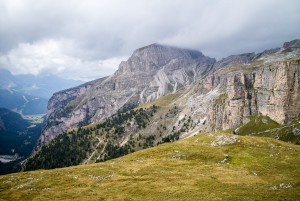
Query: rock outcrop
x=234 y=59
x=271 y=90
x=269 y=86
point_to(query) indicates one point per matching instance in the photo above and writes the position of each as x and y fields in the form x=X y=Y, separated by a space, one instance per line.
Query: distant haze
x=87 y=39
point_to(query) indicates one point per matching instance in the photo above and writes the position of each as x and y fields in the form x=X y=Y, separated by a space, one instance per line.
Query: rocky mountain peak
x=153 y=57
x=292 y=44
x=166 y=51
x=151 y=72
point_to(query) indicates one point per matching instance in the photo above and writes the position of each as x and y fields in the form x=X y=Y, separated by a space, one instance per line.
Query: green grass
x=220 y=99
x=257 y=124
x=292 y=60
x=75 y=103
x=249 y=67
x=190 y=169
x=263 y=126
x=163 y=101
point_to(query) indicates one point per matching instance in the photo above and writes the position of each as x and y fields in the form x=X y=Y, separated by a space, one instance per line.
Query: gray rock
x=234 y=59
x=150 y=72
x=265 y=121
x=292 y=44
x=296 y=131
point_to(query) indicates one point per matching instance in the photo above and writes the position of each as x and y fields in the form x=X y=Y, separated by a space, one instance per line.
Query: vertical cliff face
x=151 y=72
x=228 y=97
x=271 y=90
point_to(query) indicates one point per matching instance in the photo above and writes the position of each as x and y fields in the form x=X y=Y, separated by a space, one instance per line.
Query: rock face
x=292 y=44
x=228 y=97
x=150 y=72
x=234 y=59
x=271 y=90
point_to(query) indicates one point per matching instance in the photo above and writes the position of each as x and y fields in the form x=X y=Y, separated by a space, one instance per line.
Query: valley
x=23 y=105
x=18 y=136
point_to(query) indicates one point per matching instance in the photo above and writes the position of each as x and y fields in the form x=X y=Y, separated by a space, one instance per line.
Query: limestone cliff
x=227 y=98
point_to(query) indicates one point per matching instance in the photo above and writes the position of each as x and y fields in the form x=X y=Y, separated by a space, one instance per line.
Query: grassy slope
x=258 y=124
x=185 y=170
x=270 y=128
x=159 y=125
x=163 y=101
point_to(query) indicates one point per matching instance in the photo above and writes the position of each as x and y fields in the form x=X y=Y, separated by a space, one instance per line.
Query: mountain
x=23 y=103
x=28 y=94
x=17 y=139
x=42 y=86
x=210 y=166
x=231 y=95
x=255 y=96
x=150 y=73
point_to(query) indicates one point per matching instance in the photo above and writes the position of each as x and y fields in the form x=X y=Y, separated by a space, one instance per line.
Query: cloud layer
x=87 y=39
x=51 y=57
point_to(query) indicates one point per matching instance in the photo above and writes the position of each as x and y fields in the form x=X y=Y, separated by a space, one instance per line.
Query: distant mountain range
x=28 y=94
x=42 y=86
x=22 y=103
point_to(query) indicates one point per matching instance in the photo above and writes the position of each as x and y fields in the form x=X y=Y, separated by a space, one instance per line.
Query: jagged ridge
x=149 y=73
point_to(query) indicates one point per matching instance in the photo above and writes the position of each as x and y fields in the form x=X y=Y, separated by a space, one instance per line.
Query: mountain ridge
x=212 y=100
x=41 y=85
x=23 y=103
x=140 y=79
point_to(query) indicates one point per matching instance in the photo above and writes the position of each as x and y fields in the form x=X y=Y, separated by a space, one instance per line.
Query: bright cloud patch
x=51 y=57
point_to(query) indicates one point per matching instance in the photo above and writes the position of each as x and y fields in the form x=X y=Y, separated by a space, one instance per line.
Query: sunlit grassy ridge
x=163 y=101
x=205 y=167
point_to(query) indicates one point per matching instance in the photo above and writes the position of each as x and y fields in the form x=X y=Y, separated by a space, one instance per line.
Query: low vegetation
x=129 y=130
x=264 y=126
x=208 y=166
x=97 y=142
x=18 y=136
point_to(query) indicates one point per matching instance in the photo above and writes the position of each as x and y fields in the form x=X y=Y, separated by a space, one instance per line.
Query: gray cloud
x=87 y=39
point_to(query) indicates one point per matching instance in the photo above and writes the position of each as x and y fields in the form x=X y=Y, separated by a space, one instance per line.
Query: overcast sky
x=87 y=39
